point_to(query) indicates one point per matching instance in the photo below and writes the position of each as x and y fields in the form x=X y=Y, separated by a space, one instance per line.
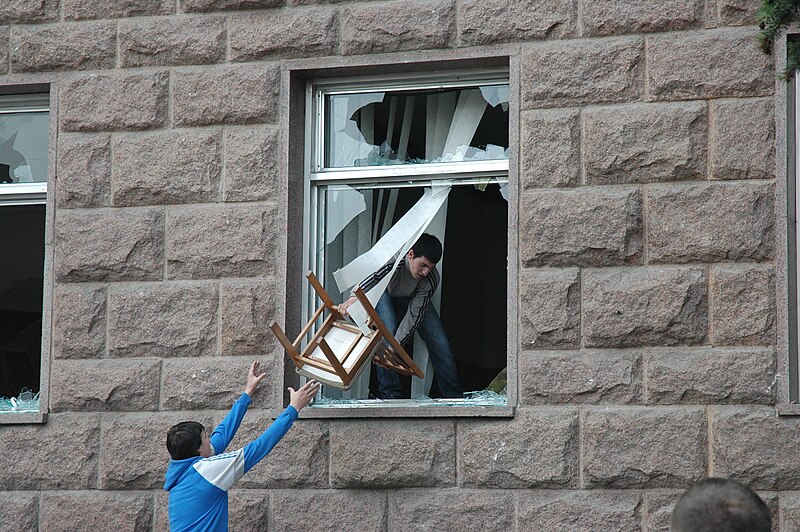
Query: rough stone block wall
x=647 y=230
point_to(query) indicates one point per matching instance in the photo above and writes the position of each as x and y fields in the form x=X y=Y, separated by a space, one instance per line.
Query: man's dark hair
x=720 y=505
x=184 y=439
x=428 y=246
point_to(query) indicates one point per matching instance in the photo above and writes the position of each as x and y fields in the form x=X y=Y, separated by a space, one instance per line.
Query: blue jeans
x=432 y=333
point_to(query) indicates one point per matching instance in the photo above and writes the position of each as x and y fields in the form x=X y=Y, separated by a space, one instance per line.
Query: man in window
x=200 y=472
x=408 y=294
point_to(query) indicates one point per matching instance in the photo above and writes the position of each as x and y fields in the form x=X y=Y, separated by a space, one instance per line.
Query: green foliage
x=774 y=16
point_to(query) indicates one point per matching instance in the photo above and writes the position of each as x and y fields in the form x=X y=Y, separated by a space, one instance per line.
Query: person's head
x=720 y=505
x=423 y=255
x=188 y=439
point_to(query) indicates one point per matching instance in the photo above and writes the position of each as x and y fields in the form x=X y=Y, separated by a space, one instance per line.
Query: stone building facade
x=649 y=315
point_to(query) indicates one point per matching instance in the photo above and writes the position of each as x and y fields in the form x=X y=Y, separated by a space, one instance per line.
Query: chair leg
x=337 y=366
x=399 y=351
x=287 y=345
x=323 y=295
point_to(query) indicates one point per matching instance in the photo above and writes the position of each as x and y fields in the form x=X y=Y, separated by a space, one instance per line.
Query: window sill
x=405 y=408
x=788 y=410
x=20 y=418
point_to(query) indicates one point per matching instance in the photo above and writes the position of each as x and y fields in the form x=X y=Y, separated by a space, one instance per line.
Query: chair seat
x=340 y=340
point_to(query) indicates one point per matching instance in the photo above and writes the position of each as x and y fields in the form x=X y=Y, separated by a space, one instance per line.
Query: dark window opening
x=473 y=267
x=21 y=285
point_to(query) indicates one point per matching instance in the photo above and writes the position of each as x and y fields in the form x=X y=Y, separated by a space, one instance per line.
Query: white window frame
x=794 y=164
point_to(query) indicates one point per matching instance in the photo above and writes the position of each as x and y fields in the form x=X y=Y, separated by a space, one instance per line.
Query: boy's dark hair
x=720 y=505
x=184 y=439
x=428 y=246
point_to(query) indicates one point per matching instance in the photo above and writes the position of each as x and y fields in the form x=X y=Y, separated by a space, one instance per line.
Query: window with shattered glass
x=376 y=145
x=24 y=126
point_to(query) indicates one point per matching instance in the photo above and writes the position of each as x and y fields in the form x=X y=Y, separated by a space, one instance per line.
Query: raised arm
x=367 y=284
x=261 y=446
x=226 y=430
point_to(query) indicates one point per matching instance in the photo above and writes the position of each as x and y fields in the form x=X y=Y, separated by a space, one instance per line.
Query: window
x=24 y=126
x=793 y=237
x=24 y=130
x=373 y=145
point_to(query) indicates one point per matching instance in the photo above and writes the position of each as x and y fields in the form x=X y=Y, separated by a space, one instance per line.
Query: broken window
x=377 y=145
x=24 y=126
x=416 y=126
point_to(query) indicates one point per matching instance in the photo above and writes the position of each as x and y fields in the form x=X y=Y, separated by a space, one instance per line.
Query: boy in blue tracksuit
x=201 y=472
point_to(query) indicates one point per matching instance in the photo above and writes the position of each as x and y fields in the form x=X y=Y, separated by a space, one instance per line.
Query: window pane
x=23 y=147
x=416 y=127
x=472 y=226
x=354 y=220
x=21 y=281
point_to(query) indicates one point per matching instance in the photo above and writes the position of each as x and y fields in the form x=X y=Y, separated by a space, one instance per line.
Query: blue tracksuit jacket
x=198 y=487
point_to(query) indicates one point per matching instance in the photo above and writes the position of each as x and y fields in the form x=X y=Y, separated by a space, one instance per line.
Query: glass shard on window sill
x=26 y=401
x=479 y=398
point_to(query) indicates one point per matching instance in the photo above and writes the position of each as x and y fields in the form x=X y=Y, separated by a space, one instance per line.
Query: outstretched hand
x=344 y=306
x=301 y=398
x=254 y=378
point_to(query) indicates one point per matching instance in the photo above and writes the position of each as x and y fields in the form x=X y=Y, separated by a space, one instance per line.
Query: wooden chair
x=339 y=350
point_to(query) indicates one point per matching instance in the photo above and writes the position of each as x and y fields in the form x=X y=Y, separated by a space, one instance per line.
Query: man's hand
x=254 y=378
x=343 y=307
x=301 y=398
